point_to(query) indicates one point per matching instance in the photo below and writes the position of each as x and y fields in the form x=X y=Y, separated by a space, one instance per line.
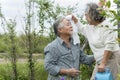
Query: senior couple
x=63 y=57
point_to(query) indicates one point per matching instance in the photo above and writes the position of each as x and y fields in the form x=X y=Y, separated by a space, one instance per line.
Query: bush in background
x=22 y=68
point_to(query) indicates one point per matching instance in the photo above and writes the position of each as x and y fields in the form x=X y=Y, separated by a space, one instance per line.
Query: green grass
x=23 y=55
x=23 y=71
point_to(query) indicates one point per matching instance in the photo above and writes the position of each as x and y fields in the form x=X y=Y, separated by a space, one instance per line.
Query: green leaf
x=103 y=13
x=108 y=4
x=113 y=12
x=115 y=1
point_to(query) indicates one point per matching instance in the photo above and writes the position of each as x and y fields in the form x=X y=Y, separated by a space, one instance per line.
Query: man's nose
x=71 y=26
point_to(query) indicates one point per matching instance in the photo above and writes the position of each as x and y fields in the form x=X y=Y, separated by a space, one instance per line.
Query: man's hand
x=72 y=72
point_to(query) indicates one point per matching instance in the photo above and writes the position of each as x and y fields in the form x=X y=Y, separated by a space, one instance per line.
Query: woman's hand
x=101 y=67
x=69 y=15
x=106 y=56
x=102 y=3
x=74 y=19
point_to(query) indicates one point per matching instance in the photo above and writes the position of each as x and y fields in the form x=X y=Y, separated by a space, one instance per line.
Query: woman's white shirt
x=100 y=38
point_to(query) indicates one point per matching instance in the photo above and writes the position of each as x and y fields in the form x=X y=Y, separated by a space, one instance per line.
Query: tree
x=10 y=36
x=48 y=13
x=10 y=26
x=28 y=31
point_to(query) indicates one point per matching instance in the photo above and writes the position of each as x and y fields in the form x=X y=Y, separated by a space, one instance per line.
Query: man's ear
x=59 y=30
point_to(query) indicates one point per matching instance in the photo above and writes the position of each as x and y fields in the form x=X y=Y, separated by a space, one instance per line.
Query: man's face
x=67 y=29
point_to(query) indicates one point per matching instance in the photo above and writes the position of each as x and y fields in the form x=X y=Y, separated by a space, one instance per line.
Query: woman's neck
x=94 y=23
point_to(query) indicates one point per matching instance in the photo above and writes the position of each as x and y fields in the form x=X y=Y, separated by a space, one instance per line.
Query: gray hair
x=94 y=12
x=58 y=24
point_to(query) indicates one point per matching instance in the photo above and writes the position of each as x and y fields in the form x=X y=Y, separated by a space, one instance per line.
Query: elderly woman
x=102 y=40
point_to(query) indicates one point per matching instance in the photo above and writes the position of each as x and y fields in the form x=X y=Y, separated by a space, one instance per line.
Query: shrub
x=23 y=71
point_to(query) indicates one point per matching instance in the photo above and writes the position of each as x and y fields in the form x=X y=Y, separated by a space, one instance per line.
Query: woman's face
x=88 y=18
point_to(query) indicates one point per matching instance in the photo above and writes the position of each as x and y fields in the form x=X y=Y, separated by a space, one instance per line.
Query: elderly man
x=62 y=57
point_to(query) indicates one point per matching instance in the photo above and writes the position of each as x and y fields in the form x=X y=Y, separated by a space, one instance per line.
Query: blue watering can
x=107 y=75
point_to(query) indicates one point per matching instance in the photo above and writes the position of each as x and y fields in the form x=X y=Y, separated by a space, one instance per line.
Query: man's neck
x=66 y=40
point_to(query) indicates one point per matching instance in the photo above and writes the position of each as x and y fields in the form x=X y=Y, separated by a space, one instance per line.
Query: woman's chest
x=95 y=36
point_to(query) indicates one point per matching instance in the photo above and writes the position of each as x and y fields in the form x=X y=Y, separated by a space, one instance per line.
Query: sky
x=15 y=9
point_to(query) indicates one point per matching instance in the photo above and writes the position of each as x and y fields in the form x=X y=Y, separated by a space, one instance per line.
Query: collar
x=61 y=41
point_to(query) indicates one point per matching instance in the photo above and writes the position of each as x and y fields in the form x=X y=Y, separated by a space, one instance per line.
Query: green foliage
x=116 y=1
x=108 y=4
x=6 y=71
x=12 y=49
x=119 y=76
x=86 y=72
x=118 y=36
x=3 y=47
x=38 y=41
x=110 y=13
x=20 y=41
x=40 y=73
x=23 y=71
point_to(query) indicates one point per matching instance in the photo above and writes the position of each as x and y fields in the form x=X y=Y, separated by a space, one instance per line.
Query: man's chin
x=71 y=33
